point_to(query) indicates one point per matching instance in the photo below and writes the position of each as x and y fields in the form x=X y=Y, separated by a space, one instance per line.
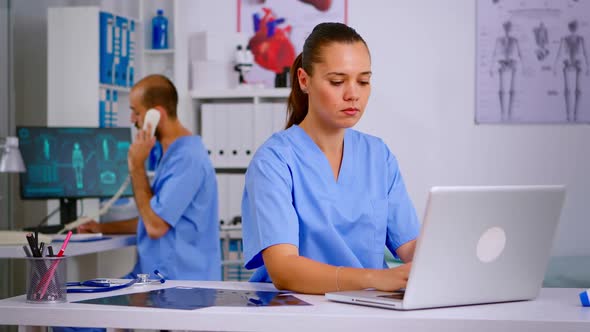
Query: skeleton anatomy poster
x=276 y=31
x=532 y=61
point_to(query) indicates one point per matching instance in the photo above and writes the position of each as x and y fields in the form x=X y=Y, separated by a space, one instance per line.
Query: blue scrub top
x=291 y=197
x=185 y=196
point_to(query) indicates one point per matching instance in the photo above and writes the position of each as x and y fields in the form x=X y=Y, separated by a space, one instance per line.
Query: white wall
x=422 y=105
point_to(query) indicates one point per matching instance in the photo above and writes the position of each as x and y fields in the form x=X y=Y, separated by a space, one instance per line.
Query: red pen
x=64 y=245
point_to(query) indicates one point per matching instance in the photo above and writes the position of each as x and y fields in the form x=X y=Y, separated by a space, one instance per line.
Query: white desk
x=556 y=309
x=88 y=259
x=77 y=248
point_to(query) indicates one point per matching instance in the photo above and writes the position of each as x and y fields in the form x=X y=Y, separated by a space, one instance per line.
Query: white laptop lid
x=479 y=245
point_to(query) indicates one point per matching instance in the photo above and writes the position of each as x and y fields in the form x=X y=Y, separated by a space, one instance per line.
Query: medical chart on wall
x=276 y=31
x=532 y=61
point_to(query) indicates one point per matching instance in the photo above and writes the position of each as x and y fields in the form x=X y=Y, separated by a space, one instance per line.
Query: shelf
x=115 y=87
x=159 y=52
x=233 y=232
x=241 y=93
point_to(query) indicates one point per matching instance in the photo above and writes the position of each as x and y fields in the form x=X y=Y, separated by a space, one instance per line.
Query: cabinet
x=80 y=92
x=233 y=123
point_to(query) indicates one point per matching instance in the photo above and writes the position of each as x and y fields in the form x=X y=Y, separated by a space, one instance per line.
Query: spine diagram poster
x=532 y=61
x=276 y=31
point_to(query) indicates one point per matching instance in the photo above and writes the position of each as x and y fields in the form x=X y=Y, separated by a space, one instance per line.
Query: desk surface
x=77 y=248
x=556 y=309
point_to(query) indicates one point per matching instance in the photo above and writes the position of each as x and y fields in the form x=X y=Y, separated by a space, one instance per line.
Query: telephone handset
x=153 y=118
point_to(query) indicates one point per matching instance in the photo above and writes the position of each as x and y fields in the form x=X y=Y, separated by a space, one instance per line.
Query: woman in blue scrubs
x=322 y=201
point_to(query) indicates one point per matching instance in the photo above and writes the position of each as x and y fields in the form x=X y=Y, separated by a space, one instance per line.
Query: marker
x=162 y=279
x=33 y=245
x=50 y=251
x=64 y=245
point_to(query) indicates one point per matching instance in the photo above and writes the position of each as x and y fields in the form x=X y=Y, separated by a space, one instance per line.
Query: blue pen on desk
x=585 y=298
x=162 y=279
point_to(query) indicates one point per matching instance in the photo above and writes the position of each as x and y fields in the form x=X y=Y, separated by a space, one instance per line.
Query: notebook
x=477 y=245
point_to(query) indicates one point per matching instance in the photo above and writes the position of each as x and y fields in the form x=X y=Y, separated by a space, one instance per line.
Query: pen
x=64 y=245
x=162 y=279
x=50 y=251
x=27 y=251
x=41 y=248
x=33 y=245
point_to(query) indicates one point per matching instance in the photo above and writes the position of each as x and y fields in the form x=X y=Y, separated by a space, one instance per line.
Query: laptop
x=477 y=245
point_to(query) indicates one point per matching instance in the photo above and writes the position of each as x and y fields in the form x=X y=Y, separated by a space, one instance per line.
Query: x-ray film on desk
x=189 y=298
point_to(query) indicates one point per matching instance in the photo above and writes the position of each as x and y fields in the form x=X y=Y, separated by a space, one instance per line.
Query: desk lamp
x=11 y=160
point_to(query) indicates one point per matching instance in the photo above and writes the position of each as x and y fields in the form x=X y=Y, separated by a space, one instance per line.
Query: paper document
x=78 y=237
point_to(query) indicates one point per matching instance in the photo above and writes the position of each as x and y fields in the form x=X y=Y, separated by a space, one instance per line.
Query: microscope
x=244 y=60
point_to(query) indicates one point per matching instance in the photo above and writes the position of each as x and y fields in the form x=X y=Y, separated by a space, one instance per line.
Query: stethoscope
x=107 y=285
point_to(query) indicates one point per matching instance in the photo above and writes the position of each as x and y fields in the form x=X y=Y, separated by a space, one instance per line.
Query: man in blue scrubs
x=177 y=228
x=322 y=201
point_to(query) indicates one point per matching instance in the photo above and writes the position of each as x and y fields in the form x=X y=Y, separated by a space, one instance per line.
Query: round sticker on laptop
x=491 y=244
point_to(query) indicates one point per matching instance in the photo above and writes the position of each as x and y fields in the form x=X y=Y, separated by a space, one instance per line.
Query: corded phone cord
x=82 y=220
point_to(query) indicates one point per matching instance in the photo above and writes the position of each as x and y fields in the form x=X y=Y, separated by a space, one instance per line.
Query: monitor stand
x=68 y=210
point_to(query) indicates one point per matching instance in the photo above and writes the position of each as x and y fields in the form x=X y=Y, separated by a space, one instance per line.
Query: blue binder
x=106 y=47
x=123 y=25
x=131 y=49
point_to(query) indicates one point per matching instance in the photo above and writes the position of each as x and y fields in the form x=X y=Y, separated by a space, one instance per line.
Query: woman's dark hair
x=322 y=35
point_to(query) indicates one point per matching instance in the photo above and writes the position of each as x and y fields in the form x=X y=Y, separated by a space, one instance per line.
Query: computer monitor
x=68 y=163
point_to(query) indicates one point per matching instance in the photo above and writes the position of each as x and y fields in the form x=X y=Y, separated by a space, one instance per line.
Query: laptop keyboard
x=397 y=295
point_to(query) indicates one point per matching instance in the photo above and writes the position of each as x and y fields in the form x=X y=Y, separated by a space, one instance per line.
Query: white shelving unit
x=159 y=52
x=158 y=61
x=120 y=89
x=243 y=109
x=73 y=77
x=230 y=177
x=251 y=93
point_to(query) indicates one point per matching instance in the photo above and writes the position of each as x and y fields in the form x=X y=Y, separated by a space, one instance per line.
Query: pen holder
x=46 y=279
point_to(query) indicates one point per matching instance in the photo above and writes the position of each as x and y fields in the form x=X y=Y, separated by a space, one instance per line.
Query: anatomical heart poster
x=276 y=31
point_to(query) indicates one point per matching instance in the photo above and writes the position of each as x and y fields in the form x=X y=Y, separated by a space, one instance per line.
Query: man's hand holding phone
x=144 y=141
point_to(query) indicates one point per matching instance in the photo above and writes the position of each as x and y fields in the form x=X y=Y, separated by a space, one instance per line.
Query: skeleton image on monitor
x=507 y=53
x=574 y=49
